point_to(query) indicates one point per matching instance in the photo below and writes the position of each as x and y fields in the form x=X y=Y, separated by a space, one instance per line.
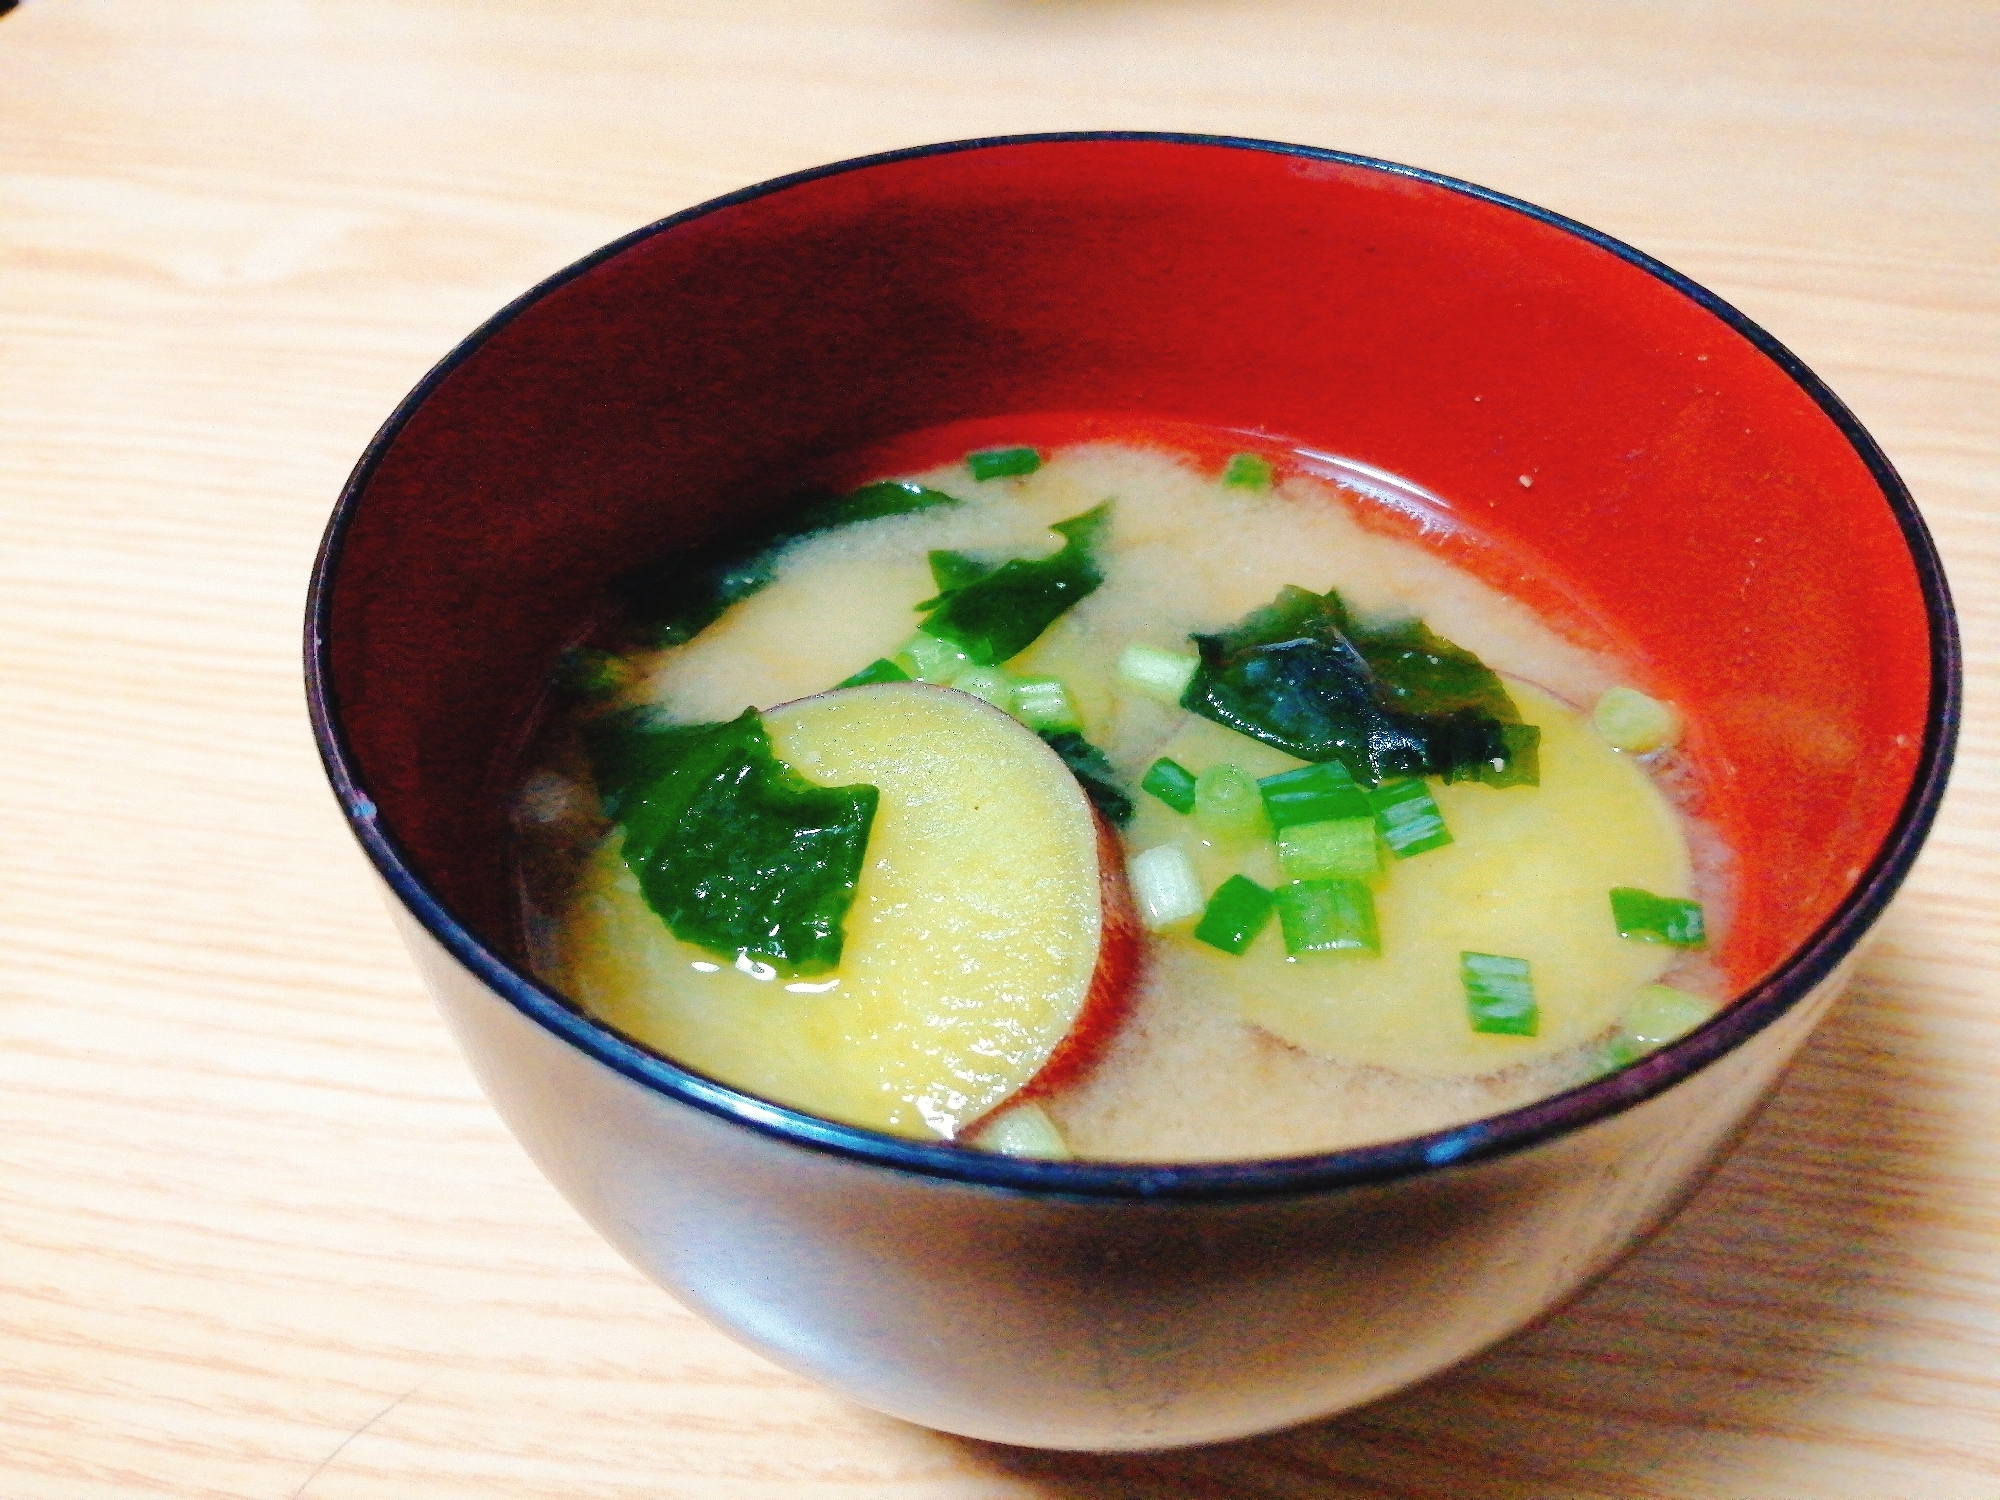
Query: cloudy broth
x=1218 y=1055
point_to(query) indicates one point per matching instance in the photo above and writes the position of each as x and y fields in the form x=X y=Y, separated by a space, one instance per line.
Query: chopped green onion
x=998 y=463
x=1615 y=1054
x=1499 y=994
x=1327 y=916
x=1159 y=675
x=1409 y=818
x=1313 y=794
x=1227 y=807
x=879 y=670
x=928 y=659
x=1343 y=847
x=1023 y=1130
x=1164 y=886
x=1657 y=919
x=1172 y=782
x=1043 y=704
x=1659 y=1014
x=1248 y=471
x=1626 y=719
x=989 y=684
x=1236 y=913
x=590 y=673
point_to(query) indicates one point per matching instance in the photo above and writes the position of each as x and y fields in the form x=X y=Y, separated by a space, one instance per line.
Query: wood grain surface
x=259 y=1234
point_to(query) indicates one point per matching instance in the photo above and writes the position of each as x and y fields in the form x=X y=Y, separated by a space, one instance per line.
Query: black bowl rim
x=1480 y=1140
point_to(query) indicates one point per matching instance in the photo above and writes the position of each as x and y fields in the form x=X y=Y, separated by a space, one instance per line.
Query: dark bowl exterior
x=1054 y=1320
x=1579 y=403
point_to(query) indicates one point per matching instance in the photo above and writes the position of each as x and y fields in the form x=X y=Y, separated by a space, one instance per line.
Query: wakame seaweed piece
x=996 y=617
x=951 y=571
x=1384 y=701
x=954 y=570
x=677 y=599
x=879 y=670
x=1288 y=675
x=587 y=672
x=1521 y=765
x=632 y=747
x=1092 y=769
x=736 y=852
x=1423 y=676
x=872 y=502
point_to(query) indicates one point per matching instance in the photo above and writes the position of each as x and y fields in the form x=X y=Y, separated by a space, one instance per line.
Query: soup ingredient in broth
x=989 y=942
x=733 y=850
x=1379 y=882
x=681 y=598
x=1523 y=872
x=1384 y=700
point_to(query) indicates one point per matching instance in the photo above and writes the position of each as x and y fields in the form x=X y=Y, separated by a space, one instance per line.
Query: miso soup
x=1097 y=803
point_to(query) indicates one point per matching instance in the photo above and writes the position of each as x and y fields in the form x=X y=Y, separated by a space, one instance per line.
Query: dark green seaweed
x=1385 y=701
x=996 y=615
x=736 y=852
x=1092 y=769
x=675 y=600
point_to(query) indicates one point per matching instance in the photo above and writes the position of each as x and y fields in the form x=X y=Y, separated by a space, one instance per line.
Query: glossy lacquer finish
x=1611 y=445
x=1064 y=1322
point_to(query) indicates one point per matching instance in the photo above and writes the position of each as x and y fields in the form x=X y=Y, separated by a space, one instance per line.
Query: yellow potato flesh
x=1528 y=876
x=970 y=947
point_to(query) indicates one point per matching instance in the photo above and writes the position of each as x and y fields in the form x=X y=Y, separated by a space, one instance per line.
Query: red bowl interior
x=1685 y=484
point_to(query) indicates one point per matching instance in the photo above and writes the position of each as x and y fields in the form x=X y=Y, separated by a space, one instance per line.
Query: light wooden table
x=259 y=1234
